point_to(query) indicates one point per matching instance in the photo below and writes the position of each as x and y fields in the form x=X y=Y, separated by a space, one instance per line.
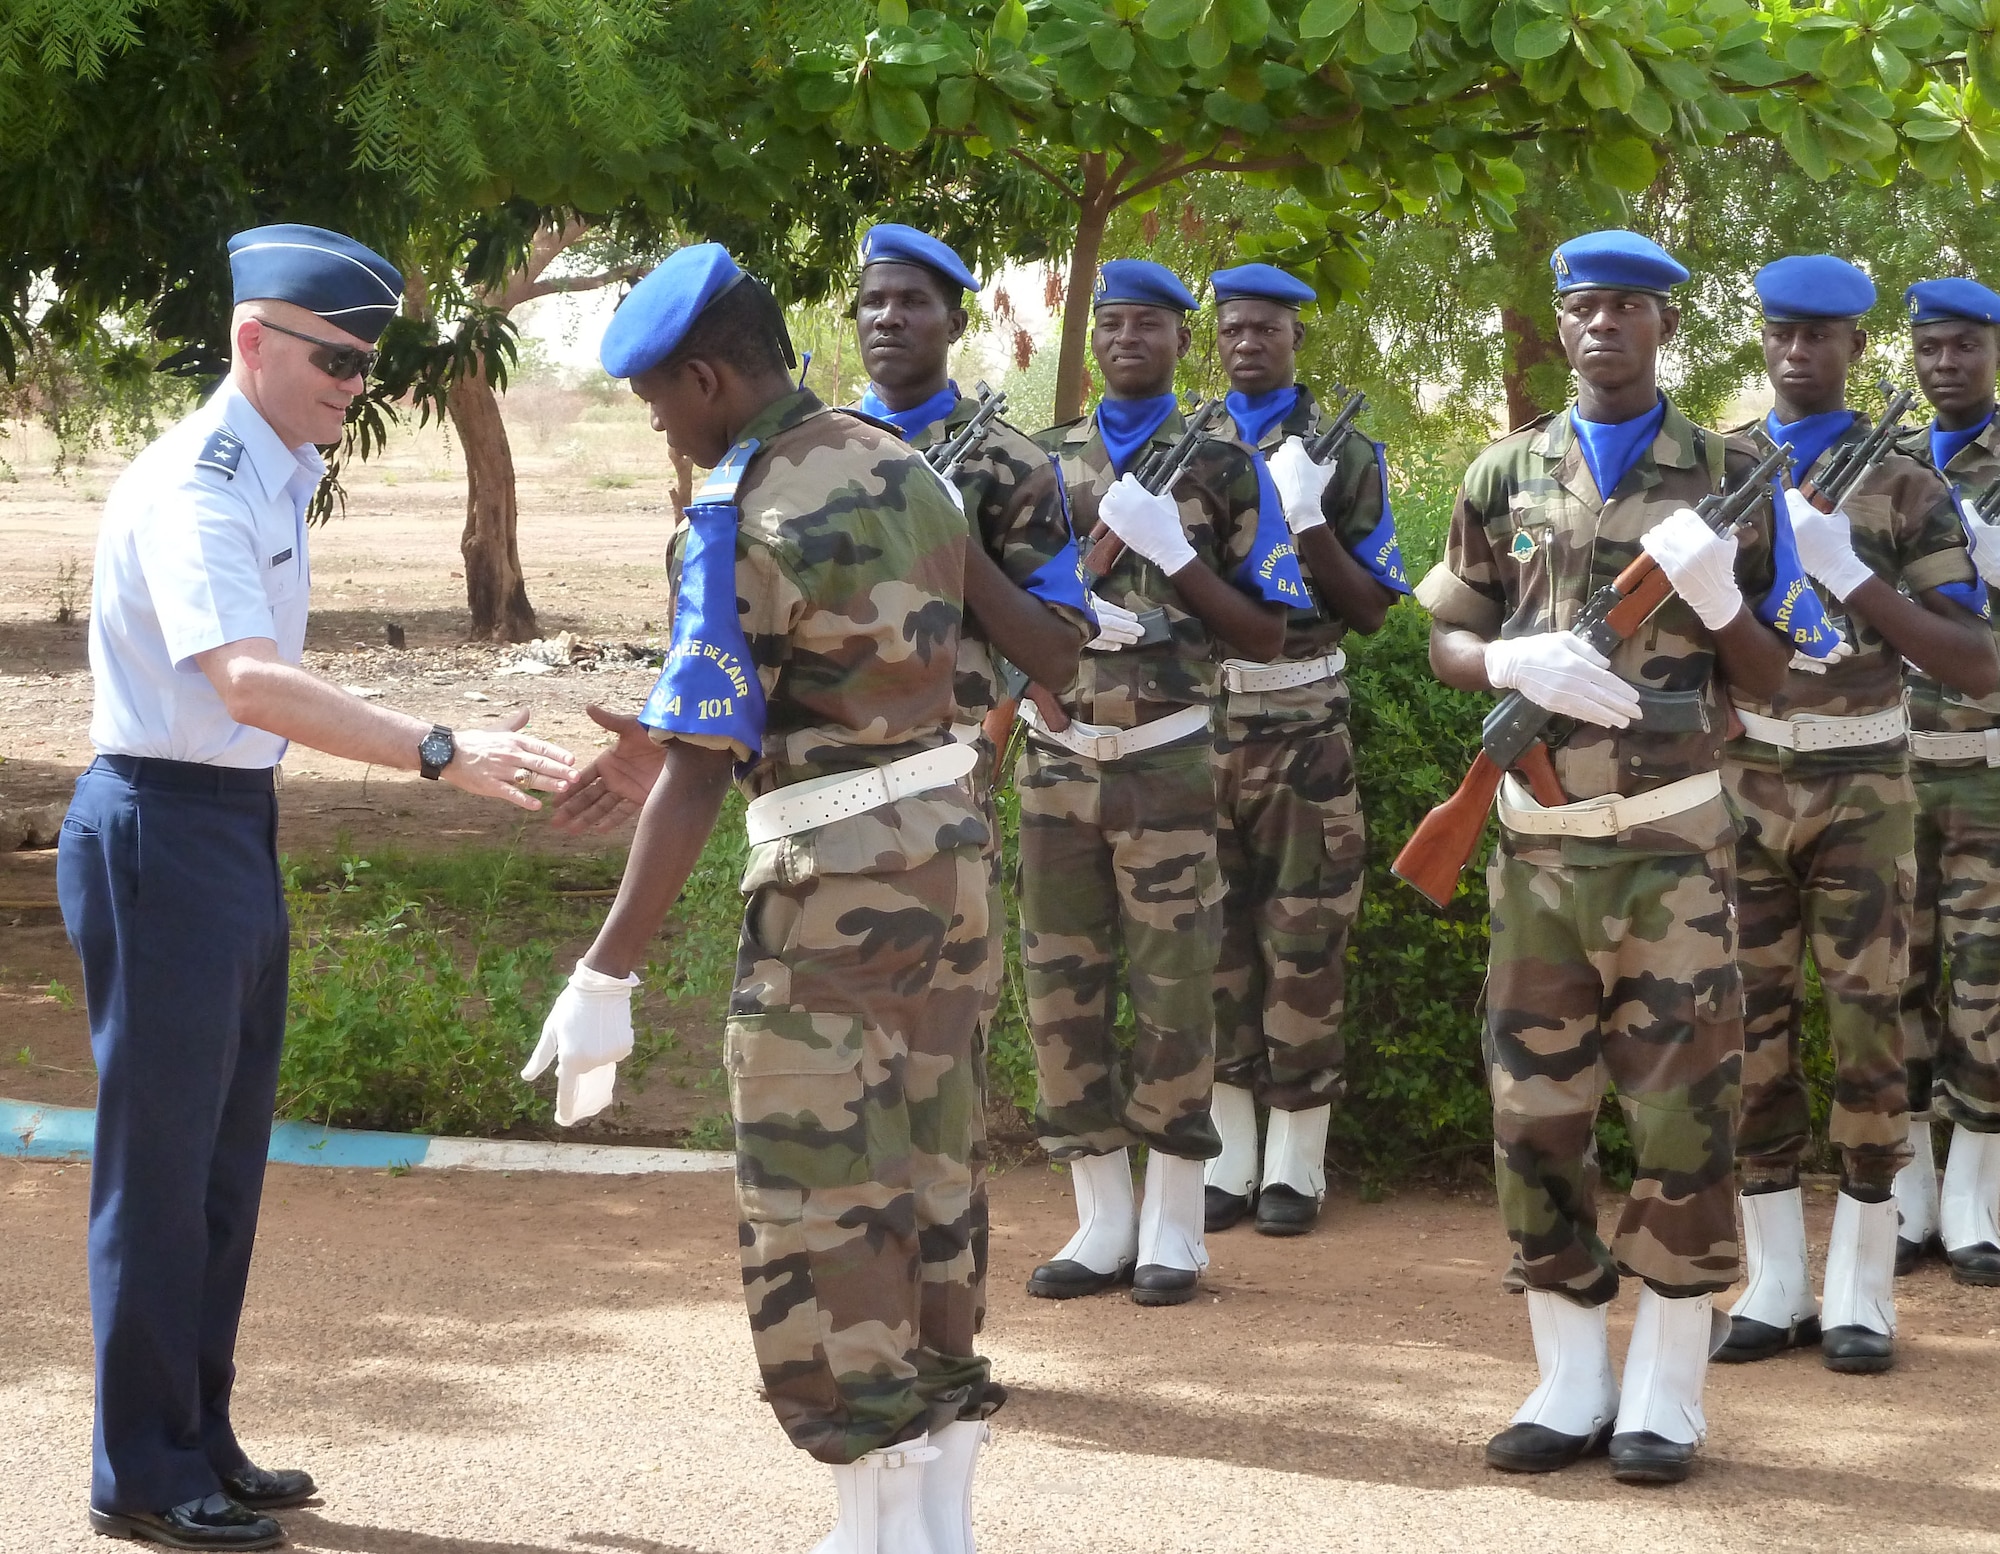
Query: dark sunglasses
x=339 y=362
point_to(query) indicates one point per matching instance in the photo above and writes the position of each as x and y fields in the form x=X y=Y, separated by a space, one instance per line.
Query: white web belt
x=1242 y=674
x=1606 y=816
x=1109 y=744
x=1810 y=731
x=820 y=801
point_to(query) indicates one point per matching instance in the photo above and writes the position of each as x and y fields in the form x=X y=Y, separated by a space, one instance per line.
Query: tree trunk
x=495 y=588
x=1093 y=214
x=1527 y=349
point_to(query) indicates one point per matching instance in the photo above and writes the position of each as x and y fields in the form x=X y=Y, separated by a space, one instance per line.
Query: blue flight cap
x=1266 y=282
x=1615 y=260
x=1813 y=286
x=1932 y=302
x=1142 y=282
x=656 y=316
x=890 y=242
x=346 y=283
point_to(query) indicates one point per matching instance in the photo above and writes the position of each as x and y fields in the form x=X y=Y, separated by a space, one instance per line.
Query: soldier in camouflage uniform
x=1951 y=1002
x=817 y=606
x=1613 y=944
x=1820 y=776
x=1118 y=807
x=1289 y=837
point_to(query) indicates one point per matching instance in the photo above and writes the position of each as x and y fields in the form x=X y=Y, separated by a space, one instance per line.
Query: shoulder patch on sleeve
x=728 y=475
x=223 y=451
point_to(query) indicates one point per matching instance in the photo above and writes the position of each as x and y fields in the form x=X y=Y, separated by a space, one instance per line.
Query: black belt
x=145 y=771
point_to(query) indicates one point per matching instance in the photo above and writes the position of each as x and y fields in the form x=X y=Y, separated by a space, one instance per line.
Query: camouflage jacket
x=1218 y=501
x=1907 y=530
x=1531 y=540
x=1021 y=517
x=1934 y=707
x=850 y=577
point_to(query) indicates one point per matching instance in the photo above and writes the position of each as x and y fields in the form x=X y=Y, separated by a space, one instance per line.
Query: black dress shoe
x=266 y=1489
x=1221 y=1209
x=1975 y=1264
x=1641 y=1457
x=1155 y=1284
x=1910 y=1253
x=215 y=1523
x=1533 y=1448
x=1066 y=1279
x=1857 y=1351
x=1284 y=1211
x=1753 y=1340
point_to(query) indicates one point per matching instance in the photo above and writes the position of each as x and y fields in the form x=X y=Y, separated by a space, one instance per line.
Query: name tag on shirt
x=281 y=558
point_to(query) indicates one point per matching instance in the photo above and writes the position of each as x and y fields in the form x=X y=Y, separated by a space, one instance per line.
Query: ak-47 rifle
x=947 y=457
x=1324 y=446
x=1827 y=491
x=1986 y=507
x=1159 y=474
x=1444 y=842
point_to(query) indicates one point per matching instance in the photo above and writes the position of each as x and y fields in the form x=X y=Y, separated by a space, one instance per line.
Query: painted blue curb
x=32 y=1132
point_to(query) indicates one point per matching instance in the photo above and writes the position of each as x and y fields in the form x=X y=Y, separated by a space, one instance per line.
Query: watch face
x=436 y=749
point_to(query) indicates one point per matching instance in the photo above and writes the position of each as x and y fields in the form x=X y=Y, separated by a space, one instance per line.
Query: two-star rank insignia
x=223 y=451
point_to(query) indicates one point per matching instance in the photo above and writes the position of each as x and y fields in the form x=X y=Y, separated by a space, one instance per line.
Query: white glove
x=1150 y=524
x=1560 y=671
x=1700 y=563
x=1826 y=546
x=1842 y=650
x=1301 y=485
x=586 y=1034
x=1117 y=627
x=1985 y=549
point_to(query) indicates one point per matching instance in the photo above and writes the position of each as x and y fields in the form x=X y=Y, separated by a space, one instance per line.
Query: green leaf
x=995 y=121
x=1323 y=18
x=1806 y=148
x=1171 y=18
x=1387 y=31
x=1208 y=44
x=1624 y=161
x=1891 y=63
x=1967 y=13
x=1248 y=21
x=954 y=101
x=1083 y=78
x=1450 y=176
x=1679 y=77
x=1929 y=129
x=1506 y=176
x=1112 y=46
x=898 y=116
x=1542 y=37
x=1752 y=66
x=1650 y=112
x=1021 y=85
x=822 y=93
x=1010 y=22
x=1221 y=108
x=892 y=13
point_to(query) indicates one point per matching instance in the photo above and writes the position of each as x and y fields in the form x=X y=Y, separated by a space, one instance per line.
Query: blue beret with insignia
x=346 y=283
x=1264 y=281
x=1813 y=286
x=1932 y=302
x=660 y=310
x=1615 y=260
x=891 y=242
x=1142 y=282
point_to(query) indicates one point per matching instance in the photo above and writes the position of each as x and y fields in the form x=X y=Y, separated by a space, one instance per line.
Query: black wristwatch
x=435 y=750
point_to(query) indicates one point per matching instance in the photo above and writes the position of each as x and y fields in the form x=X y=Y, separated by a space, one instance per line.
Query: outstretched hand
x=613 y=783
x=502 y=763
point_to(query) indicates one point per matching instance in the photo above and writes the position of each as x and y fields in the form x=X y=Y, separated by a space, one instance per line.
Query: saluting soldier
x=1118 y=805
x=818 y=597
x=1820 y=776
x=167 y=870
x=1290 y=838
x=1953 y=1027
x=1613 y=950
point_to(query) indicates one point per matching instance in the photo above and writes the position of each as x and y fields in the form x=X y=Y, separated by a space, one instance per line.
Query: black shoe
x=1752 y=1340
x=1155 y=1284
x=215 y=1523
x=1066 y=1279
x=1284 y=1211
x=1975 y=1264
x=1857 y=1351
x=1221 y=1209
x=1533 y=1448
x=1641 y=1457
x=1910 y=1253
x=265 y=1489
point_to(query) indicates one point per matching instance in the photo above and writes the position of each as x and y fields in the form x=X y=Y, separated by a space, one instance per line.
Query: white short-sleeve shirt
x=203 y=543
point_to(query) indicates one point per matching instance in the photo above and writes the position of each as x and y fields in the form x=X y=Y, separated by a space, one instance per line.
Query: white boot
x=1172 y=1253
x=882 y=1502
x=1858 y=1306
x=1660 y=1422
x=1776 y=1309
x=1294 y=1171
x=1969 y=1213
x=1569 y=1415
x=1101 y=1252
x=948 y=1484
x=1916 y=1195
x=1229 y=1181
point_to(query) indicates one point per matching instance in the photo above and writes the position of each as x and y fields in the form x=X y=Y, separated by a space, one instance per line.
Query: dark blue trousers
x=168 y=878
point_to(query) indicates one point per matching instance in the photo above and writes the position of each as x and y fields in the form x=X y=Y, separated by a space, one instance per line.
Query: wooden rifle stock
x=1441 y=846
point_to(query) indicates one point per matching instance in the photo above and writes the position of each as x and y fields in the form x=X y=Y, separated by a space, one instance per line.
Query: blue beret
x=346 y=283
x=1930 y=302
x=1615 y=260
x=1264 y=281
x=1813 y=286
x=892 y=243
x=1143 y=282
x=662 y=308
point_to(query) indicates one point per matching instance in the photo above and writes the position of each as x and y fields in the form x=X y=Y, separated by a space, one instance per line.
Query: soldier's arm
x=1929 y=628
x=1038 y=641
x=1254 y=629
x=1752 y=655
x=1344 y=583
x=1458 y=658
x=1463 y=592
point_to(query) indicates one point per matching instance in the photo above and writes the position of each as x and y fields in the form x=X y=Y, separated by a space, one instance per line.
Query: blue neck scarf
x=1127 y=425
x=1810 y=436
x=1611 y=448
x=1256 y=414
x=1946 y=446
x=912 y=422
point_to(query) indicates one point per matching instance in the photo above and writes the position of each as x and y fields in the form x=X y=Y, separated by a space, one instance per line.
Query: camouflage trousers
x=1292 y=849
x=1951 y=1000
x=980 y=1156
x=852 y=1075
x=1121 y=854
x=1825 y=863
x=1625 y=974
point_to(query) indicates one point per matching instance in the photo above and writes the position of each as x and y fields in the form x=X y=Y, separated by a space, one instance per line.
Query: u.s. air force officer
x=168 y=873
